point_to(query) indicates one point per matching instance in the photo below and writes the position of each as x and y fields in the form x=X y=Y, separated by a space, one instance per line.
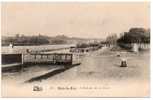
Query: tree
x=135 y=35
x=112 y=39
x=58 y=41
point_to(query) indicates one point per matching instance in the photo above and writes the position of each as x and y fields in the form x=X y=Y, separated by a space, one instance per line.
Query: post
x=71 y=58
x=123 y=63
x=22 y=58
x=135 y=47
x=22 y=62
x=54 y=58
x=41 y=56
x=35 y=56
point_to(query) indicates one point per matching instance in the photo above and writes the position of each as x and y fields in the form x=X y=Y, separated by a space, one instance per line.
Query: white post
x=135 y=47
x=22 y=58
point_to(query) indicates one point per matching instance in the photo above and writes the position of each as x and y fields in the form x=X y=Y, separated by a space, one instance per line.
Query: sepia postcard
x=75 y=49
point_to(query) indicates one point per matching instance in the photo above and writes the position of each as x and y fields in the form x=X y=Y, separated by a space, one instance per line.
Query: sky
x=86 y=20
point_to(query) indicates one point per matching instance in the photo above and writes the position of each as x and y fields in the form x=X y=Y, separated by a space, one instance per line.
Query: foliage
x=82 y=45
x=58 y=41
x=112 y=39
x=135 y=35
x=25 y=40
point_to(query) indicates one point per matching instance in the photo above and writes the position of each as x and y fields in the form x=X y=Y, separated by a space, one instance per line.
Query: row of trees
x=33 y=40
x=111 y=40
x=134 y=35
x=25 y=40
x=85 y=45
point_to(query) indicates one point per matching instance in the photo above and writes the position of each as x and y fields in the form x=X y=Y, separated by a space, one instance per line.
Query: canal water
x=22 y=49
